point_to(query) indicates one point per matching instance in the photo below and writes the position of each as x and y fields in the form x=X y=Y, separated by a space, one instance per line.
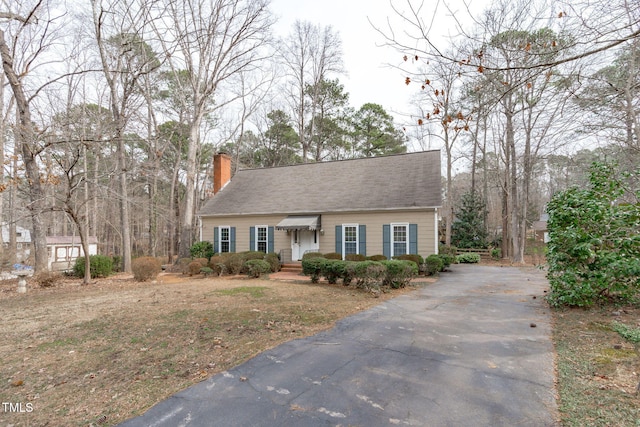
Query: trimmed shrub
x=312 y=267
x=355 y=257
x=333 y=255
x=447 y=259
x=449 y=250
x=399 y=273
x=434 y=264
x=47 y=279
x=206 y=271
x=410 y=257
x=193 y=268
x=333 y=269
x=257 y=267
x=274 y=261
x=377 y=258
x=217 y=264
x=369 y=274
x=468 y=258
x=145 y=268
x=203 y=261
x=101 y=266
x=201 y=250
x=249 y=255
x=348 y=273
x=233 y=263
x=496 y=253
x=308 y=255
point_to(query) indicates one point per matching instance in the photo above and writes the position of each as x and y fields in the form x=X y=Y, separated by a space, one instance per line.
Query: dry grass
x=102 y=353
x=598 y=370
x=99 y=354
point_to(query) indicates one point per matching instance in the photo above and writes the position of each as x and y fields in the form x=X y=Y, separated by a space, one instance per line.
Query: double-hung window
x=350 y=239
x=262 y=239
x=400 y=239
x=225 y=239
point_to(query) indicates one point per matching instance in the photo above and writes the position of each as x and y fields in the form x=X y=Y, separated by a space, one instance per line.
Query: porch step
x=292 y=267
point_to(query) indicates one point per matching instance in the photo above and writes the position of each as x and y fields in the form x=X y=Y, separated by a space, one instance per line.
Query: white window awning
x=300 y=222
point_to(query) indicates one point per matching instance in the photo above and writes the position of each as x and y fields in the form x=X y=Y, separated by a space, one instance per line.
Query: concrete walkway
x=473 y=349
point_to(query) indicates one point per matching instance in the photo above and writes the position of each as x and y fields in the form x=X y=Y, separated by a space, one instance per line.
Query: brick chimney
x=221 y=171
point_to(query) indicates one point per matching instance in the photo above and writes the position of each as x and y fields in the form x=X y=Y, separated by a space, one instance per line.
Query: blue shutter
x=362 y=237
x=270 y=241
x=413 y=239
x=216 y=249
x=232 y=239
x=338 y=239
x=252 y=238
x=386 y=240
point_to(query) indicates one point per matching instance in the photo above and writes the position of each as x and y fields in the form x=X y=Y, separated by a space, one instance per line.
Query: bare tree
x=211 y=41
x=34 y=32
x=125 y=58
x=310 y=54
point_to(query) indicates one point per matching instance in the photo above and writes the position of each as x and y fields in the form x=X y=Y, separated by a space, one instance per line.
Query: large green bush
x=101 y=266
x=594 y=248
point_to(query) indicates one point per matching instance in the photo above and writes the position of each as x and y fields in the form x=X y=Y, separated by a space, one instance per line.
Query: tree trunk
x=25 y=138
x=186 y=226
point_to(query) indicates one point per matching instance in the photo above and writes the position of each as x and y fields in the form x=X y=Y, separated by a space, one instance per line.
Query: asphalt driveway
x=473 y=349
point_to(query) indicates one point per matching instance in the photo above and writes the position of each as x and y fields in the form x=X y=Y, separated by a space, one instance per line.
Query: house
x=62 y=251
x=23 y=242
x=378 y=205
x=540 y=228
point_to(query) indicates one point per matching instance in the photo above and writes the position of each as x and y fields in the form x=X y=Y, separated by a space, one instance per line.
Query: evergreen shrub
x=274 y=261
x=399 y=273
x=468 y=258
x=312 y=267
x=202 y=249
x=257 y=267
x=433 y=264
x=101 y=266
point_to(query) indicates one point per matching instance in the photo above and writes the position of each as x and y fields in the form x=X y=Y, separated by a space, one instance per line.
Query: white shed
x=64 y=250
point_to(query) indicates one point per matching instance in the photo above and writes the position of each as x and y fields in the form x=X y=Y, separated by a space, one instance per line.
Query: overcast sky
x=369 y=78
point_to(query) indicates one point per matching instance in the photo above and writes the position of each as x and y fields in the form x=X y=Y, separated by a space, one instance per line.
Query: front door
x=303 y=241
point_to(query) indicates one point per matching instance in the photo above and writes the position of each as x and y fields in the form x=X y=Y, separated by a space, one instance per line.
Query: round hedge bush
x=145 y=268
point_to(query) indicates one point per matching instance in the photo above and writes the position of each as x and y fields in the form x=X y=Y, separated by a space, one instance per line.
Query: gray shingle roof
x=403 y=181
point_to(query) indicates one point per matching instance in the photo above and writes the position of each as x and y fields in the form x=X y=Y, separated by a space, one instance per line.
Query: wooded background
x=112 y=110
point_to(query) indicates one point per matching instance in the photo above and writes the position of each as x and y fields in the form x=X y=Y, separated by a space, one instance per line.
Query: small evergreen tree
x=468 y=229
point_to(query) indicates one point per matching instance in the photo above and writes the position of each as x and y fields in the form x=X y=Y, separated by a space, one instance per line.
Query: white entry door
x=303 y=241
